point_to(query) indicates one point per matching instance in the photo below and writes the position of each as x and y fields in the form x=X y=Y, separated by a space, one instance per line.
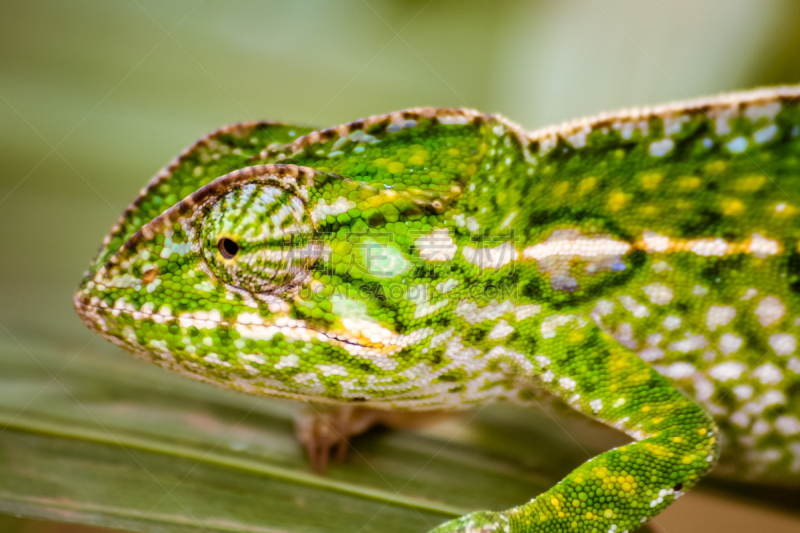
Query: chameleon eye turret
x=640 y=266
x=259 y=237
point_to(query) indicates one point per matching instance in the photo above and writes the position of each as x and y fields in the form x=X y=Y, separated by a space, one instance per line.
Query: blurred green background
x=96 y=96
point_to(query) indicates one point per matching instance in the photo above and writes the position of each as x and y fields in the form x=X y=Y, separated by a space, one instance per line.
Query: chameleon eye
x=228 y=248
x=259 y=237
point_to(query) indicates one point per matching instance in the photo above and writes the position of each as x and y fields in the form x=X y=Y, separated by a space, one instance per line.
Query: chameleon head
x=246 y=283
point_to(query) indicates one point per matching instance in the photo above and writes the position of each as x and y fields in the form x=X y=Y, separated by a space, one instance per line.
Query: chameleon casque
x=641 y=266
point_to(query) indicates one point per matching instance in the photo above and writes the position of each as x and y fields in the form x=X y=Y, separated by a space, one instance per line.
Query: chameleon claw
x=341 y=451
x=317 y=435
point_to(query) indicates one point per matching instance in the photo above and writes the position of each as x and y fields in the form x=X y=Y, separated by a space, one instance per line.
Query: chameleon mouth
x=356 y=345
x=96 y=315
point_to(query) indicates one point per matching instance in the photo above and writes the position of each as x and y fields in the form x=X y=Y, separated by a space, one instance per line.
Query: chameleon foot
x=324 y=432
x=477 y=522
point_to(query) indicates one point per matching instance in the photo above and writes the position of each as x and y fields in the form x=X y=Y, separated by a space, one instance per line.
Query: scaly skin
x=642 y=266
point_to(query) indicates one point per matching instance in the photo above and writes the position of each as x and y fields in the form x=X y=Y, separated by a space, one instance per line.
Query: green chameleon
x=641 y=266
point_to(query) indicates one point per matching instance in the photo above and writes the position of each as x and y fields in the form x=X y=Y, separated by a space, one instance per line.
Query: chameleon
x=641 y=267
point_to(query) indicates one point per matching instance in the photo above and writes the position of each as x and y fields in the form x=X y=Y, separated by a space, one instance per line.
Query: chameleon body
x=642 y=266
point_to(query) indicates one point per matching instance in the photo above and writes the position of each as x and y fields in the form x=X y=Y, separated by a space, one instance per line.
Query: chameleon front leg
x=617 y=491
x=326 y=430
